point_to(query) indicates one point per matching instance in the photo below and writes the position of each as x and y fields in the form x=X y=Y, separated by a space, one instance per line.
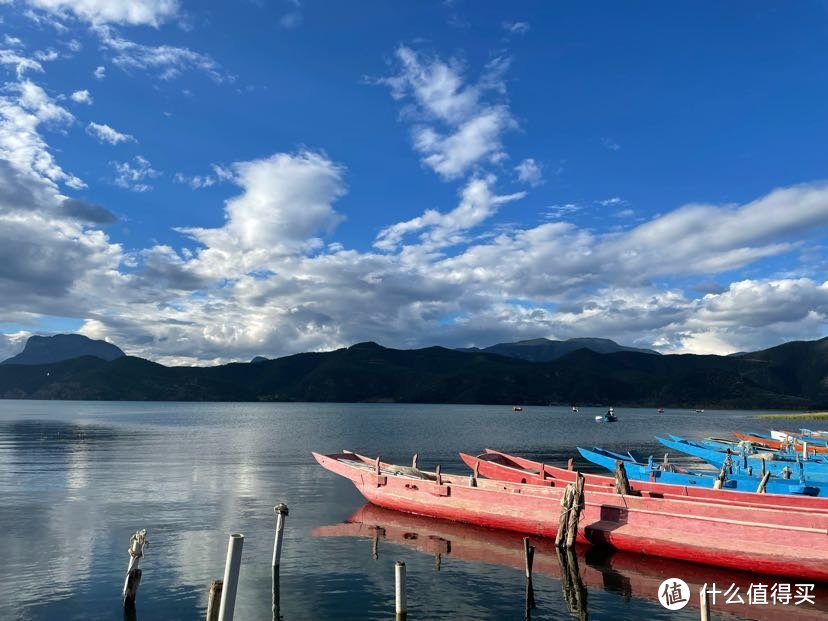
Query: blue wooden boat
x=660 y=473
x=815 y=469
x=720 y=444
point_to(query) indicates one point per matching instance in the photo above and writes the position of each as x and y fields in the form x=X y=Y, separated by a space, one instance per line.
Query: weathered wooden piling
x=622 y=483
x=704 y=603
x=137 y=543
x=563 y=519
x=720 y=478
x=575 y=512
x=570 y=464
x=231 y=577
x=763 y=483
x=528 y=557
x=281 y=511
x=275 y=605
x=401 y=607
x=214 y=600
x=530 y=600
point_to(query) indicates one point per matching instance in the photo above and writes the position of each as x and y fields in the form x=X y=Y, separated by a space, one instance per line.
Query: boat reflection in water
x=629 y=575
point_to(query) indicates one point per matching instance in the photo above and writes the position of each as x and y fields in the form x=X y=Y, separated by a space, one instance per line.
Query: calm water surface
x=78 y=478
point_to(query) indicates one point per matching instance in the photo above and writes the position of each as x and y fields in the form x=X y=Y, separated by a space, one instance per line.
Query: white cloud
x=12 y=41
x=100 y=72
x=197 y=182
x=265 y=284
x=46 y=55
x=82 y=97
x=128 y=12
x=529 y=171
x=610 y=144
x=456 y=128
x=134 y=176
x=104 y=133
x=169 y=60
x=22 y=64
x=477 y=204
x=23 y=111
x=614 y=201
x=286 y=203
x=518 y=28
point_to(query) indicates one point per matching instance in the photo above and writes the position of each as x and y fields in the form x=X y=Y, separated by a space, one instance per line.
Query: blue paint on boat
x=637 y=471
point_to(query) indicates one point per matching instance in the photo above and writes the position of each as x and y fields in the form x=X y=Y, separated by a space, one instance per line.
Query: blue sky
x=207 y=182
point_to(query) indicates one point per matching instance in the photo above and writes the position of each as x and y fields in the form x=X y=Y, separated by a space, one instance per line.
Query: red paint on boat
x=679 y=529
x=776 y=444
x=505 y=467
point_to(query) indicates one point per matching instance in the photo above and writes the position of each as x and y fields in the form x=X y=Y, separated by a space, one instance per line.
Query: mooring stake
x=281 y=511
x=401 y=606
x=231 y=577
x=137 y=543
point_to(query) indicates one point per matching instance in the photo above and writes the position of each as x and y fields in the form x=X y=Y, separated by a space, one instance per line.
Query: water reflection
x=624 y=574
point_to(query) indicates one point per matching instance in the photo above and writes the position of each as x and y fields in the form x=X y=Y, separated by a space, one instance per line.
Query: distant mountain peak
x=546 y=350
x=60 y=347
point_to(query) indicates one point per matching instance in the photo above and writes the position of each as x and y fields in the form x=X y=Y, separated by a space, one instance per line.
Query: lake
x=78 y=478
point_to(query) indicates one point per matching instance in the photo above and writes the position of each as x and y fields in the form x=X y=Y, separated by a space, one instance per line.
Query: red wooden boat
x=504 y=467
x=777 y=444
x=756 y=539
x=621 y=572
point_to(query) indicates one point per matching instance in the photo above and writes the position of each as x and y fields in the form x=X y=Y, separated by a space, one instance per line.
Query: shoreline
x=804 y=416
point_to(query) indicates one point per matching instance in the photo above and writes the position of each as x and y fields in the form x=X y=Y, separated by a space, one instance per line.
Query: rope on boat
x=572 y=502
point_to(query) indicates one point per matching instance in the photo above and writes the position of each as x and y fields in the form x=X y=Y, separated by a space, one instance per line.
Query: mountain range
x=545 y=350
x=790 y=376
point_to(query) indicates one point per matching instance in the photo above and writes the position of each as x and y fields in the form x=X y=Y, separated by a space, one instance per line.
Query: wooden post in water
x=400 y=604
x=530 y=600
x=569 y=464
x=575 y=512
x=704 y=604
x=763 y=483
x=214 y=600
x=563 y=520
x=763 y=466
x=622 y=483
x=528 y=556
x=281 y=511
x=133 y=576
x=720 y=479
x=231 y=577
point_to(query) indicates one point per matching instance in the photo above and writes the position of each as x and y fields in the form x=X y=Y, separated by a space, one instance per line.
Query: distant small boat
x=699 y=411
x=517 y=408
x=661 y=410
x=609 y=417
x=574 y=410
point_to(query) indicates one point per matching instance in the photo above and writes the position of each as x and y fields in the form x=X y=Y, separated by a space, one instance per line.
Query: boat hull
x=681 y=530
